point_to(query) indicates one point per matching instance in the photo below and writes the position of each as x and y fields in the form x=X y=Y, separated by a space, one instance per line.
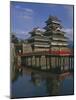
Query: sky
x=26 y=16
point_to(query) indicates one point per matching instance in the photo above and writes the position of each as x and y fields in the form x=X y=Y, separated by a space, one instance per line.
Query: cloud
x=28 y=10
x=69 y=33
x=25 y=13
x=26 y=17
x=22 y=34
x=23 y=9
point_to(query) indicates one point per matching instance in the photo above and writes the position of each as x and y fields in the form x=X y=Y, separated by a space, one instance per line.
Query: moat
x=27 y=82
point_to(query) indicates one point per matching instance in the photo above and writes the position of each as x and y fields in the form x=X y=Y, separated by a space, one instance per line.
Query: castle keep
x=52 y=39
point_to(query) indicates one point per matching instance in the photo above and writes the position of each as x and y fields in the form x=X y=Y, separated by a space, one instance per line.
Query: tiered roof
x=36 y=31
x=38 y=39
x=53 y=36
x=53 y=31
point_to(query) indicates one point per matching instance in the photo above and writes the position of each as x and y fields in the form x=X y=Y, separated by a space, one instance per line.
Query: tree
x=14 y=39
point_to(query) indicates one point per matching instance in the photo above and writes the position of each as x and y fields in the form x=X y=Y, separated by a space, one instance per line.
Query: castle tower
x=38 y=41
x=58 y=42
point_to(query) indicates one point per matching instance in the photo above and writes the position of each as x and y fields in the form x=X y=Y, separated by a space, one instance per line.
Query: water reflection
x=27 y=82
x=16 y=72
x=35 y=78
x=53 y=86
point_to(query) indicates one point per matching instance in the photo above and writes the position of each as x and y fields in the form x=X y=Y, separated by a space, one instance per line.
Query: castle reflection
x=52 y=84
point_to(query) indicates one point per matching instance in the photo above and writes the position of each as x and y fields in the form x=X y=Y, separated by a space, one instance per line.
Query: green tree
x=14 y=39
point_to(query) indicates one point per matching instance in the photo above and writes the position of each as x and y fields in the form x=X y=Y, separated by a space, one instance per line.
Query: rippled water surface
x=27 y=82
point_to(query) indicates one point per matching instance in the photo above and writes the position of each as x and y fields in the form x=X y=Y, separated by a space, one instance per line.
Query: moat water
x=27 y=82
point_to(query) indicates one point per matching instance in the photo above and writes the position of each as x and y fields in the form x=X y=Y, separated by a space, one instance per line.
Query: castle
x=52 y=39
